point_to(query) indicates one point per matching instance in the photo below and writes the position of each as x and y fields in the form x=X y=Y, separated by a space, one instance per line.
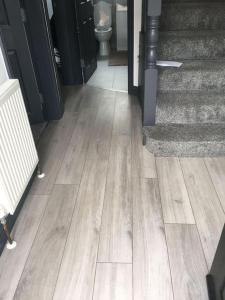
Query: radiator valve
x=11 y=244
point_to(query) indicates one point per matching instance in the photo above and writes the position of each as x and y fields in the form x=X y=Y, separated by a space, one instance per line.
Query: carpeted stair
x=190 y=114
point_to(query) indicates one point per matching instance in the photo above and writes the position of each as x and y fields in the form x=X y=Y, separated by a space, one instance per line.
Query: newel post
x=151 y=71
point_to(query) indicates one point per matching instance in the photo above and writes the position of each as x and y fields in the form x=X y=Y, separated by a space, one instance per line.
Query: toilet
x=103 y=23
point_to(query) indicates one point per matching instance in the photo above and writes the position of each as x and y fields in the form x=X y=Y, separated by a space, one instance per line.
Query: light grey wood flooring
x=110 y=221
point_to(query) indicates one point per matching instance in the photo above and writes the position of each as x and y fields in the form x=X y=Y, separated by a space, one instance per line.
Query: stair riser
x=189 y=114
x=195 y=80
x=192 y=47
x=186 y=149
x=192 y=17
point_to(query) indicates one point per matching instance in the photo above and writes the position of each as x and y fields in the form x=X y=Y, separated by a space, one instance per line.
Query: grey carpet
x=190 y=114
x=193 y=75
x=191 y=45
x=188 y=108
x=193 y=16
x=190 y=140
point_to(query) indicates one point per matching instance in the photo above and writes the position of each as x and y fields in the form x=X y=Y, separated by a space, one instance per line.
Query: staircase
x=190 y=112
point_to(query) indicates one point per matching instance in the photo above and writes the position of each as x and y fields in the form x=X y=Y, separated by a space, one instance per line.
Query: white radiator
x=18 y=155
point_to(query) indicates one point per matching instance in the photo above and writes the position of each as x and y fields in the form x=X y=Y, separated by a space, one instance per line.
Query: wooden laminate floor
x=110 y=221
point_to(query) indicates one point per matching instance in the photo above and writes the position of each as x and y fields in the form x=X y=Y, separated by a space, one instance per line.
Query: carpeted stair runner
x=191 y=45
x=193 y=16
x=190 y=114
x=190 y=108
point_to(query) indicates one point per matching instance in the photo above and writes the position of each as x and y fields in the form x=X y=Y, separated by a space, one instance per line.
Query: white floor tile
x=110 y=77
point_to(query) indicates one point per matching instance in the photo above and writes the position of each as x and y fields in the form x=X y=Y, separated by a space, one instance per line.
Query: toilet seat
x=103 y=30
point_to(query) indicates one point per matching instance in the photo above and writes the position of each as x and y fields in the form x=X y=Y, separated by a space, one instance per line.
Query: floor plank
x=100 y=141
x=51 y=149
x=74 y=97
x=187 y=261
x=142 y=159
x=149 y=166
x=151 y=272
x=123 y=114
x=175 y=201
x=76 y=153
x=115 y=167
x=216 y=168
x=25 y=229
x=205 y=203
x=92 y=119
x=41 y=270
x=113 y=282
x=76 y=277
x=116 y=230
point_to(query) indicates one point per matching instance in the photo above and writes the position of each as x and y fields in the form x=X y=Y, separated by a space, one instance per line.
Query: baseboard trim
x=11 y=219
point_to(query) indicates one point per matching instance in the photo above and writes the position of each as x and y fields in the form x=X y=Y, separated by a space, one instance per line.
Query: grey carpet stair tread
x=193 y=16
x=202 y=44
x=193 y=75
x=186 y=132
x=191 y=107
x=186 y=140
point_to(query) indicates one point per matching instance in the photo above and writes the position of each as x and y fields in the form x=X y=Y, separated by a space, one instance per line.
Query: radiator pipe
x=11 y=244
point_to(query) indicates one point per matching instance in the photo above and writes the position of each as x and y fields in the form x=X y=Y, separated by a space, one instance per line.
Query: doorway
x=77 y=46
x=28 y=44
x=112 y=65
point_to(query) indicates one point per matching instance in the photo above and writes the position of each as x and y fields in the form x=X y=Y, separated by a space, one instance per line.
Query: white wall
x=3 y=72
x=137 y=29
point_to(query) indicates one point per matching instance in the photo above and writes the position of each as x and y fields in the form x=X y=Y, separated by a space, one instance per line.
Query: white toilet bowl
x=103 y=36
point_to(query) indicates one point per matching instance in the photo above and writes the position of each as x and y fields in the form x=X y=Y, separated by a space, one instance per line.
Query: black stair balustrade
x=150 y=78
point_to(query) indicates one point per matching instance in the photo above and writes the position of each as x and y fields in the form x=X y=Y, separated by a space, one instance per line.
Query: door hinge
x=23 y=14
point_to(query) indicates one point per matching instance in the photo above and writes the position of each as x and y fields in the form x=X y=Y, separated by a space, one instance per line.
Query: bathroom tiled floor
x=113 y=78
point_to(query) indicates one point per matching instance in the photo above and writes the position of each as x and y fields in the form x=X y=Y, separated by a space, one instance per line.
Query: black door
x=18 y=56
x=66 y=40
x=86 y=35
x=216 y=277
x=39 y=38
